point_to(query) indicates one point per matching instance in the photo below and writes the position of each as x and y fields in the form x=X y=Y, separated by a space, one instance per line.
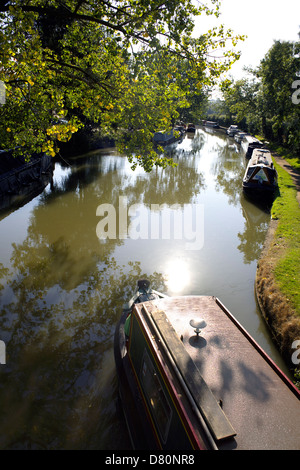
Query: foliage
x=278 y=71
x=126 y=65
x=264 y=103
x=290 y=156
x=242 y=98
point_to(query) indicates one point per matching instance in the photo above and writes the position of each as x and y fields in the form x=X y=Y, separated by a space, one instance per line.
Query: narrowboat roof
x=250 y=139
x=224 y=365
x=163 y=134
x=261 y=157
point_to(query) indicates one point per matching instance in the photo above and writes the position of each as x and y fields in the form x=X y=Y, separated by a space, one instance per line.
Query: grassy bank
x=286 y=210
x=278 y=272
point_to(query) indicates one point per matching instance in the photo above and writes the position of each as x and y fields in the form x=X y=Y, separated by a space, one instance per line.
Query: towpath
x=294 y=173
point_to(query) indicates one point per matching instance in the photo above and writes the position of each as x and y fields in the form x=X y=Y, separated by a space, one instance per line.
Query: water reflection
x=57 y=387
x=253 y=236
x=62 y=288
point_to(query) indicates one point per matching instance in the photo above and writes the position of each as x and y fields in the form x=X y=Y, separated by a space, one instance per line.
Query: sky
x=263 y=21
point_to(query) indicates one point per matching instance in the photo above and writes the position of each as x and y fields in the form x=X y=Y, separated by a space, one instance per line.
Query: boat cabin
x=163 y=137
x=260 y=176
x=250 y=143
x=190 y=377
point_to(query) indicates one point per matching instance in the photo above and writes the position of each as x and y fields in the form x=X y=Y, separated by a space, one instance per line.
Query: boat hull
x=261 y=194
x=133 y=407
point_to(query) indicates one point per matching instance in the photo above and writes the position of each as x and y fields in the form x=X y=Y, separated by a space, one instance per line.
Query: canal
x=188 y=229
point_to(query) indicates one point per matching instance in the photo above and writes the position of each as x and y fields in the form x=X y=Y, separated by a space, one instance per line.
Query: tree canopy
x=266 y=103
x=127 y=66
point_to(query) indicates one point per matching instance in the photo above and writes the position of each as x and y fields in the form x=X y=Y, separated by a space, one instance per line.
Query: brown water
x=62 y=288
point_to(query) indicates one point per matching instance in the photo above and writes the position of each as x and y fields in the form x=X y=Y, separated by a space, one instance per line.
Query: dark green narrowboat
x=260 y=181
x=186 y=389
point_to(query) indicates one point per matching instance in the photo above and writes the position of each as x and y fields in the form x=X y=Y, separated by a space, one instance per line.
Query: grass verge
x=278 y=271
x=286 y=210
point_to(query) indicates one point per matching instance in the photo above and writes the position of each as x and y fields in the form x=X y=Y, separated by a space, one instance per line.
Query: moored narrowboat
x=250 y=143
x=212 y=124
x=190 y=377
x=260 y=179
x=164 y=138
x=191 y=127
x=232 y=130
x=21 y=180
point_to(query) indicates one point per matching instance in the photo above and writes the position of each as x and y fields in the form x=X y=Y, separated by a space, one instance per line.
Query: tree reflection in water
x=58 y=385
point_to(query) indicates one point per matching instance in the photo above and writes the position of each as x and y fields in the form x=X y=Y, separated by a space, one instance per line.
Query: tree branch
x=87 y=77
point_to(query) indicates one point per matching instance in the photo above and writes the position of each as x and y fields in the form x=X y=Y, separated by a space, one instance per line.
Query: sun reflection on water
x=178 y=275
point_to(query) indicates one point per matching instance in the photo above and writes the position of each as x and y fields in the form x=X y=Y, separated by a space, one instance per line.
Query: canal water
x=71 y=257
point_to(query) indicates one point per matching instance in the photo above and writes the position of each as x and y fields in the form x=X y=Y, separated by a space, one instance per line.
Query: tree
x=241 y=100
x=266 y=103
x=66 y=63
x=277 y=72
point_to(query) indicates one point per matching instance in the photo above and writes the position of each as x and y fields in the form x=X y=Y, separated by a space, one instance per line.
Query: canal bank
x=278 y=308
